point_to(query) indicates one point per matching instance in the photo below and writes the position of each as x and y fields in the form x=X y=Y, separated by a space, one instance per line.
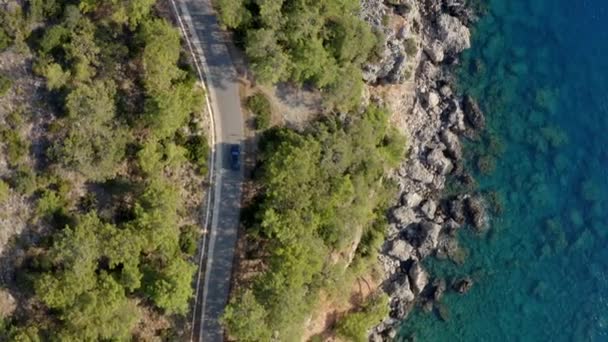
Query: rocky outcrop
x=425 y=37
x=462 y=285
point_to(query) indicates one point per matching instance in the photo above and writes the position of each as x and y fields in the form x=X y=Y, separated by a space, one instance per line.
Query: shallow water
x=539 y=69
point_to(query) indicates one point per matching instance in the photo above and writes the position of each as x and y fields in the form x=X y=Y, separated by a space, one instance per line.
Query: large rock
x=432 y=100
x=401 y=250
x=435 y=51
x=419 y=173
x=438 y=161
x=454 y=34
x=452 y=143
x=477 y=212
x=429 y=238
x=411 y=199
x=418 y=278
x=473 y=115
x=404 y=216
x=456 y=208
x=439 y=287
x=455 y=116
x=402 y=290
x=428 y=208
x=463 y=285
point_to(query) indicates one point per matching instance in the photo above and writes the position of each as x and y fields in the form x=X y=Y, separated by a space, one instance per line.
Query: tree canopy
x=323 y=43
x=120 y=127
x=321 y=189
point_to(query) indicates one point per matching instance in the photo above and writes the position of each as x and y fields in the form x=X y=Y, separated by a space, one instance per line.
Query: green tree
x=269 y=62
x=171 y=288
x=103 y=313
x=355 y=325
x=259 y=105
x=244 y=317
x=233 y=12
x=160 y=56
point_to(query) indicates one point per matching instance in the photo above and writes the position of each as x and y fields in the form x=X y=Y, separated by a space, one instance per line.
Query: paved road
x=223 y=91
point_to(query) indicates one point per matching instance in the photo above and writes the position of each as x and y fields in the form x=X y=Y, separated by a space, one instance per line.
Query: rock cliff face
x=428 y=41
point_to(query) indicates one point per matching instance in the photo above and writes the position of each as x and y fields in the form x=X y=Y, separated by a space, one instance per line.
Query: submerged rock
x=452 y=143
x=477 y=212
x=418 y=278
x=462 y=285
x=473 y=115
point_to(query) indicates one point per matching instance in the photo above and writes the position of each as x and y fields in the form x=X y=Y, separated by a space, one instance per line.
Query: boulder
x=455 y=116
x=456 y=208
x=452 y=143
x=411 y=199
x=428 y=208
x=428 y=238
x=462 y=285
x=439 y=287
x=454 y=35
x=402 y=290
x=419 y=173
x=473 y=115
x=432 y=100
x=418 y=278
x=397 y=75
x=477 y=212
x=401 y=250
x=438 y=161
x=405 y=216
x=435 y=51
x=446 y=91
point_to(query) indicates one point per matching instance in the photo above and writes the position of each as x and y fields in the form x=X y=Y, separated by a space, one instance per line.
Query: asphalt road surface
x=223 y=92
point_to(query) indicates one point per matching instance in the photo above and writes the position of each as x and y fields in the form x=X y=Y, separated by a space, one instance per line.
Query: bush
x=188 y=239
x=5 y=40
x=198 y=152
x=4 y=191
x=5 y=85
x=16 y=147
x=354 y=326
x=24 y=181
x=411 y=48
x=259 y=105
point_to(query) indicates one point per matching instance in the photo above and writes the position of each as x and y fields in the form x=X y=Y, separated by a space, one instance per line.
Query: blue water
x=539 y=69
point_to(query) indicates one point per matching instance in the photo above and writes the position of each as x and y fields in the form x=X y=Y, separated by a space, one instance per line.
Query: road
x=221 y=79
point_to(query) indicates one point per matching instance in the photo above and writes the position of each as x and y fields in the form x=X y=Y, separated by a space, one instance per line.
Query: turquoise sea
x=539 y=69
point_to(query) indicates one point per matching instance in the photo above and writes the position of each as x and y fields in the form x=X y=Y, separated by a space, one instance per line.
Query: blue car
x=235 y=155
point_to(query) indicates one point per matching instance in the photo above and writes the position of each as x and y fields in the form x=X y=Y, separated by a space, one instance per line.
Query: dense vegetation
x=107 y=186
x=323 y=43
x=322 y=190
x=260 y=107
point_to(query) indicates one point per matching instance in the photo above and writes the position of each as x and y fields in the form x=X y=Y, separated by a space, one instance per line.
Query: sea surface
x=539 y=69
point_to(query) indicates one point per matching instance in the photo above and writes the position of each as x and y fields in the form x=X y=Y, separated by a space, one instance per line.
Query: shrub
x=4 y=191
x=411 y=48
x=354 y=326
x=198 y=152
x=24 y=181
x=16 y=147
x=5 y=85
x=259 y=105
x=15 y=119
x=188 y=239
x=5 y=40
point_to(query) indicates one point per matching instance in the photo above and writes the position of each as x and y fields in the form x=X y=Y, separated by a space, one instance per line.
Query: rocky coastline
x=423 y=49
